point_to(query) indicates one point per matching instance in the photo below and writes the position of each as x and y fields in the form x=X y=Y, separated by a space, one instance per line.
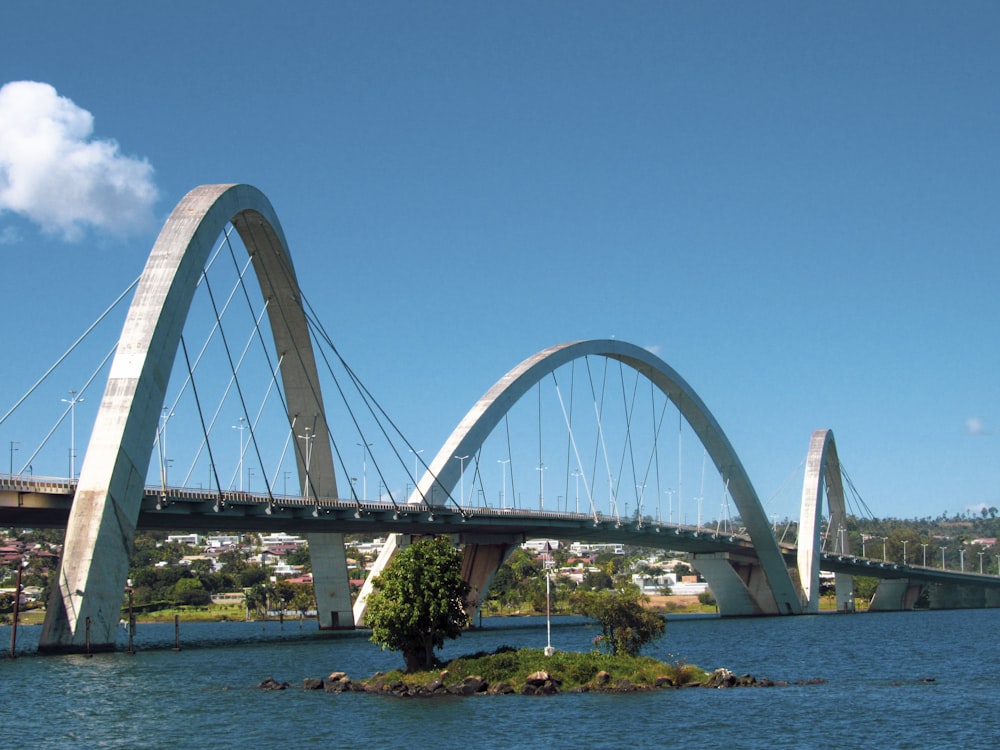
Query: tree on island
x=626 y=626
x=418 y=601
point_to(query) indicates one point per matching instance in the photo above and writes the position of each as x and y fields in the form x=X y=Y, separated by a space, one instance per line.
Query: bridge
x=749 y=570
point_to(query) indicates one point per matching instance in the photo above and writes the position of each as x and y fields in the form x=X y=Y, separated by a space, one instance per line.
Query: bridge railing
x=34 y=483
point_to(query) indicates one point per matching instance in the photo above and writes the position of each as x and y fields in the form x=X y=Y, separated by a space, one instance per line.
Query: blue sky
x=793 y=204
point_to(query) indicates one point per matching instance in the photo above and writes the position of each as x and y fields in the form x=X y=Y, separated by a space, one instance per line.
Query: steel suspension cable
x=69 y=351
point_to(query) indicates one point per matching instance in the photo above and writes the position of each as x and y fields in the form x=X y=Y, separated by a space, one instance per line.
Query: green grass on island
x=509 y=670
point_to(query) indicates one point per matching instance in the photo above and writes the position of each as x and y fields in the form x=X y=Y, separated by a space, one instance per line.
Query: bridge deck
x=45 y=503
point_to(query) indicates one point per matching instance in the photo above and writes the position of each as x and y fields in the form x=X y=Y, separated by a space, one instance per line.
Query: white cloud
x=974 y=426
x=53 y=172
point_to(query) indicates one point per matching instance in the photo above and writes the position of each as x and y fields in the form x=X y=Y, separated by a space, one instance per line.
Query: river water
x=893 y=680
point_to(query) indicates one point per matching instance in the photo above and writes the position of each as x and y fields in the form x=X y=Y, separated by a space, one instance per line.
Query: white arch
x=106 y=506
x=443 y=472
x=822 y=471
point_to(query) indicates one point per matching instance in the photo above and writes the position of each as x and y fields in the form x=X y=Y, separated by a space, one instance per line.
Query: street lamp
x=925 y=553
x=416 y=466
x=503 y=473
x=364 y=468
x=961 y=559
x=164 y=418
x=885 y=557
x=73 y=400
x=461 y=471
x=541 y=486
x=12 y=449
x=943 y=566
x=904 y=550
x=981 y=553
x=308 y=439
x=239 y=465
x=864 y=538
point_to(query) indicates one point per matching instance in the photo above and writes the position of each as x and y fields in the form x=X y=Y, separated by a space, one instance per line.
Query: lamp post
x=943 y=567
x=12 y=449
x=904 y=550
x=576 y=476
x=864 y=539
x=164 y=418
x=239 y=465
x=503 y=473
x=17 y=607
x=73 y=400
x=981 y=553
x=541 y=486
x=308 y=439
x=998 y=564
x=925 y=553
x=885 y=557
x=461 y=471
x=961 y=559
x=131 y=618
x=364 y=468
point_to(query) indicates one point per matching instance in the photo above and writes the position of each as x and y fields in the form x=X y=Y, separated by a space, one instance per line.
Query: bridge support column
x=738 y=583
x=845 y=592
x=331 y=582
x=480 y=562
x=895 y=594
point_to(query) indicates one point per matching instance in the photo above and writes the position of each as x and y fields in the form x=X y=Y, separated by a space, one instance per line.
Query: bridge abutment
x=738 y=583
x=895 y=594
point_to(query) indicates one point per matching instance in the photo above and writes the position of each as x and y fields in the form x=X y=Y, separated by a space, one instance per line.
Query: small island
x=531 y=672
x=420 y=599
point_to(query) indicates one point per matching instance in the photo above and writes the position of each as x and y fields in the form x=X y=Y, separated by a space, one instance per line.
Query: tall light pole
x=961 y=558
x=981 y=553
x=864 y=538
x=461 y=471
x=503 y=473
x=12 y=449
x=164 y=418
x=904 y=551
x=942 y=558
x=73 y=400
x=576 y=475
x=308 y=438
x=925 y=553
x=416 y=464
x=541 y=486
x=885 y=557
x=364 y=468
x=239 y=465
